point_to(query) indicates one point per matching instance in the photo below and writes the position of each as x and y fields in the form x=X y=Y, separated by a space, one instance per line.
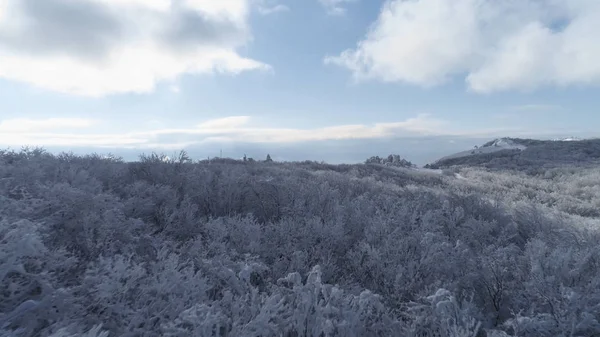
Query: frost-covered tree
x=391 y=160
x=94 y=246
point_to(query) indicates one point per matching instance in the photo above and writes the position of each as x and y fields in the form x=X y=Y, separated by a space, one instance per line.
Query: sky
x=331 y=80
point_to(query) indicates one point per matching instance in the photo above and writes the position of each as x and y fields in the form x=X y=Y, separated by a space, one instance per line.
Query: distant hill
x=529 y=155
x=496 y=145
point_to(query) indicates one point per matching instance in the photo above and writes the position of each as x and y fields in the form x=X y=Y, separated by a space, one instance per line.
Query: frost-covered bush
x=290 y=308
x=94 y=246
x=441 y=315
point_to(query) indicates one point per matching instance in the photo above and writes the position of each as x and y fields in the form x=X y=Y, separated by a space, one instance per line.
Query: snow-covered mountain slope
x=530 y=155
x=493 y=146
x=568 y=139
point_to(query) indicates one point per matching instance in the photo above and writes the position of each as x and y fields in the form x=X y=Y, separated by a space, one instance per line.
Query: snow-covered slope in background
x=493 y=146
x=568 y=139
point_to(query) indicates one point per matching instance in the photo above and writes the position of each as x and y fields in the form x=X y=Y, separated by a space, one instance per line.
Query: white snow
x=498 y=145
x=568 y=139
x=425 y=170
x=440 y=172
x=459 y=176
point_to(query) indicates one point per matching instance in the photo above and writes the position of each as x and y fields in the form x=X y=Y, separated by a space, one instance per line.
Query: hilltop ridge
x=525 y=154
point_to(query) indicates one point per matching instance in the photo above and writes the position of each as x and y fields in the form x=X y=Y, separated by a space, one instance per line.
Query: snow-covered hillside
x=493 y=146
x=568 y=139
x=530 y=155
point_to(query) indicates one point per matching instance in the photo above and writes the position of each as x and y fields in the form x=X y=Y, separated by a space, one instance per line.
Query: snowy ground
x=425 y=170
x=497 y=145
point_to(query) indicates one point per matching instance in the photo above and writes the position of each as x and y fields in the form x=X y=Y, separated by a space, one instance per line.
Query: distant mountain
x=526 y=154
x=568 y=139
x=496 y=145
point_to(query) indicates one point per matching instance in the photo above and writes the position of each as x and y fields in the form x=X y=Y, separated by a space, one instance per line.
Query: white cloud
x=159 y=5
x=100 y=47
x=51 y=132
x=269 y=7
x=266 y=10
x=495 y=45
x=237 y=129
x=75 y=140
x=3 y=9
x=335 y=7
x=55 y=132
x=26 y=125
x=224 y=123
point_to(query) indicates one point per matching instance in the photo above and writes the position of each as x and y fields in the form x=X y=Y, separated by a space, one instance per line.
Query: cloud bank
x=421 y=139
x=234 y=129
x=100 y=47
x=495 y=45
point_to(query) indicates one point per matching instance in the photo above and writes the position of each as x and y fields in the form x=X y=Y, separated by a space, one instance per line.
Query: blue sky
x=333 y=80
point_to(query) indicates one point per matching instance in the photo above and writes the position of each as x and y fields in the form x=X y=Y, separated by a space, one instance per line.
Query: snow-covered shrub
x=441 y=315
x=167 y=246
x=126 y=295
